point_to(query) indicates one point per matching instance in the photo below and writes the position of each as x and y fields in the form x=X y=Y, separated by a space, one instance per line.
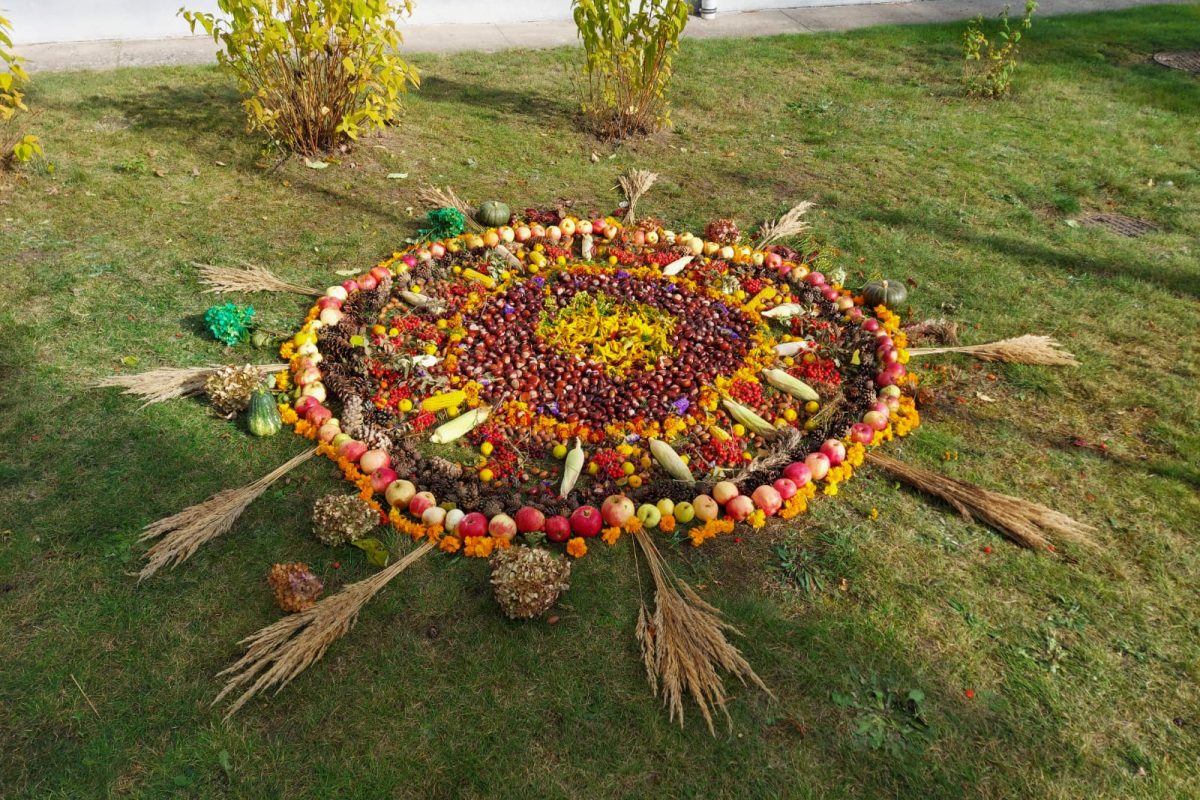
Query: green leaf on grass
x=377 y=553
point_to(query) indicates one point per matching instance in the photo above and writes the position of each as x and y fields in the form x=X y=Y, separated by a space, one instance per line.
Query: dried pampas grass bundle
x=633 y=186
x=683 y=644
x=167 y=383
x=790 y=224
x=251 y=278
x=1021 y=521
x=433 y=197
x=183 y=533
x=1027 y=349
x=281 y=651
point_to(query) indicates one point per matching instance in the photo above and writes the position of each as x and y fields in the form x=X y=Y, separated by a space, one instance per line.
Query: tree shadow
x=495 y=101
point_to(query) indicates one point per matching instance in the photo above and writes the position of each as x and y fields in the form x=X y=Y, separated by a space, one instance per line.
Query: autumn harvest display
x=547 y=383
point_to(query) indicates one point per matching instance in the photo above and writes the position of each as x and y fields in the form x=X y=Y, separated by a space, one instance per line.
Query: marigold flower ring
x=586 y=378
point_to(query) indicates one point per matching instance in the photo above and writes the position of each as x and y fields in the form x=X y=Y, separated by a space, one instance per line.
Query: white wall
x=81 y=20
x=37 y=21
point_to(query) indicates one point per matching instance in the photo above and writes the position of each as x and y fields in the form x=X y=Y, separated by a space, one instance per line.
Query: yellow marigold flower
x=874 y=515
x=758 y=519
x=577 y=547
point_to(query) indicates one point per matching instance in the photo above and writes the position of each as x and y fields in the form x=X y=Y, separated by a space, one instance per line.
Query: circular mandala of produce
x=575 y=376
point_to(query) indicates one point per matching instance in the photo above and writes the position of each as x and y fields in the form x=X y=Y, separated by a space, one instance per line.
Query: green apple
x=649 y=515
x=684 y=513
x=666 y=507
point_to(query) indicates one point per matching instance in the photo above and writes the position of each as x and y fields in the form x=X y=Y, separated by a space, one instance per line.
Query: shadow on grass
x=1027 y=251
x=501 y=102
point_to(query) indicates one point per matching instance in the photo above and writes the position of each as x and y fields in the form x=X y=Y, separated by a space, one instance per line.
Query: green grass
x=1084 y=674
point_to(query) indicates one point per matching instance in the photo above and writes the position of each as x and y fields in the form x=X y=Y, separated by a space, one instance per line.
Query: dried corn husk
x=676 y=266
x=784 y=310
x=460 y=426
x=572 y=468
x=670 y=461
x=785 y=349
x=790 y=384
x=747 y=417
x=416 y=299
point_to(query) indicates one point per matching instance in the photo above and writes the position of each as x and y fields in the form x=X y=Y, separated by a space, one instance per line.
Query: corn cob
x=475 y=275
x=572 y=466
x=784 y=310
x=444 y=400
x=676 y=266
x=753 y=421
x=719 y=433
x=670 y=461
x=416 y=299
x=760 y=298
x=791 y=385
x=460 y=426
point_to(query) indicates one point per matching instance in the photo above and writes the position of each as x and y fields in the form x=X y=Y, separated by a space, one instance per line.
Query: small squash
x=884 y=293
x=493 y=213
x=263 y=415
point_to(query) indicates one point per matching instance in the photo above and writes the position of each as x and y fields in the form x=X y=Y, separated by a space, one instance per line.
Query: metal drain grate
x=1186 y=60
x=1119 y=224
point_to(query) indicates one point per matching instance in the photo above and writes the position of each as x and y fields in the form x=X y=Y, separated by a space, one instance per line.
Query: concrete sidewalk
x=489 y=38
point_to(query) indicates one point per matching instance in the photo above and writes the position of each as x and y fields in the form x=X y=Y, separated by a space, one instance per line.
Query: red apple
x=503 y=527
x=420 y=502
x=834 y=450
x=766 y=498
x=616 y=510
x=786 y=488
x=814 y=279
x=305 y=403
x=586 y=521
x=724 y=491
x=381 y=272
x=558 y=528
x=818 y=465
x=382 y=478
x=329 y=302
x=862 y=433
x=740 y=507
x=529 y=519
x=870 y=325
x=367 y=282
x=373 y=460
x=318 y=414
x=798 y=473
x=876 y=420
x=352 y=450
x=473 y=524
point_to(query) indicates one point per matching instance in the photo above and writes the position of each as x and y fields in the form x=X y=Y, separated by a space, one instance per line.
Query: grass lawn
x=1084 y=676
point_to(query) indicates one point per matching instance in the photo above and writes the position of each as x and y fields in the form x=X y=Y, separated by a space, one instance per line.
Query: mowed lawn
x=921 y=666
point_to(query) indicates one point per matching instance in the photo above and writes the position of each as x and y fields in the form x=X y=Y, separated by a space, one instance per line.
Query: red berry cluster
x=423 y=420
x=819 y=370
x=746 y=392
x=608 y=463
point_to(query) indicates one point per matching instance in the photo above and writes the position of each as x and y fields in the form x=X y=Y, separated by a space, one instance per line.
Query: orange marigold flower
x=611 y=535
x=667 y=523
x=577 y=547
x=449 y=544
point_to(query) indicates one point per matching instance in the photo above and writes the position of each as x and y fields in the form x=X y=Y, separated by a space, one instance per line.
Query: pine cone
x=295 y=586
x=352 y=415
x=492 y=507
x=466 y=494
x=443 y=468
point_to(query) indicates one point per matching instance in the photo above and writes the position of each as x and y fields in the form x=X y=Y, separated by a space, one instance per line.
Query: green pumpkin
x=884 y=293
x=492 y=213
x=263 y=416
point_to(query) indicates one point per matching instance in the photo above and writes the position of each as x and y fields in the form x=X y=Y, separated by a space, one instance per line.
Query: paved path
x=491 y=37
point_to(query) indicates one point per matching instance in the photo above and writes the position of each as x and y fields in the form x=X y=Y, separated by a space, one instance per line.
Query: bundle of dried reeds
x=790 y=224
x=183 y=533
x=1023 y=522
x=683 y=643
x=247 y=279
x=433 y=197
x=279 y=652
x=167 y=383
x=1027 y=349
x=633 y=186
